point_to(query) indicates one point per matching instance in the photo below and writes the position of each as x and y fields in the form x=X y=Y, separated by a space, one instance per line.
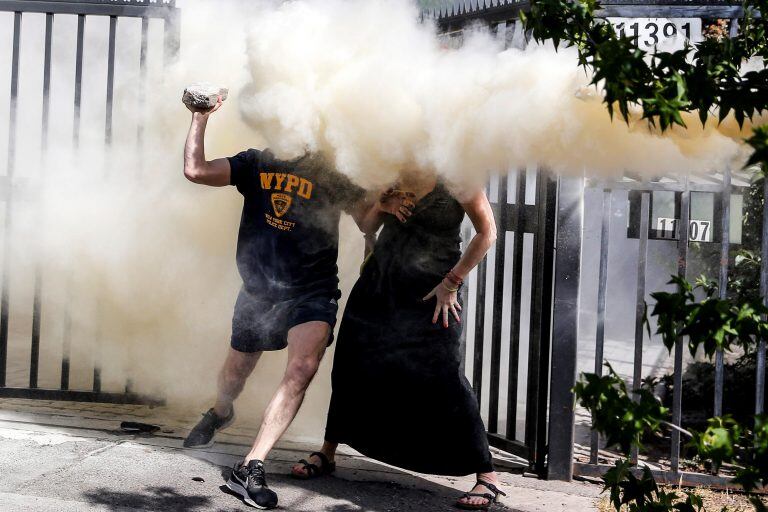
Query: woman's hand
x=398 y=203
x=447 y=301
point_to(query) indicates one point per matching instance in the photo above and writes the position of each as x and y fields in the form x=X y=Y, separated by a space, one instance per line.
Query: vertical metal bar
x=67 y=338
x=725 y=248
x=760 y=378
x=466 y=235
x=602 y=285
x=565 y=327
x=171 y=37
x=140 y=140
x=734 y=27
x=541 y=296
x=78 y=79
x=517 y=294
x=67 y=335
x=142 y=83
x=477 y=367
x=12 y=122
x=642 y=259
x=498 y=308
x=682 y=265
x=37 y=301
x=110 y=79
x=107 y=142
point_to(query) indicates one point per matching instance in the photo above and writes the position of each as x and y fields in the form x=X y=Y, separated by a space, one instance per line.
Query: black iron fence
x=691 y=221
x=663 y=216
x=114 y=10
x=508 y=328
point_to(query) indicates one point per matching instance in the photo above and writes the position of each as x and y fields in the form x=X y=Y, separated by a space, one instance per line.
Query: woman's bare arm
x=446 y=292
x=481 y=215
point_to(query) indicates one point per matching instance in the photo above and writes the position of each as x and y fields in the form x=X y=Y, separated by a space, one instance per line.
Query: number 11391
x=669 y=33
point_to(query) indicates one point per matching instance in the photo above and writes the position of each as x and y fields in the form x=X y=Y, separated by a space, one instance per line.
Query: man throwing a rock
x=286 y=254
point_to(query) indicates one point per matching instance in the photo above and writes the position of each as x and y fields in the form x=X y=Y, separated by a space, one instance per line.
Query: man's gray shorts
x=260 y=324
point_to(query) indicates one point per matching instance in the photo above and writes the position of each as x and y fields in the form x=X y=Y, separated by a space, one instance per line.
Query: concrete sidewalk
x=73 y=457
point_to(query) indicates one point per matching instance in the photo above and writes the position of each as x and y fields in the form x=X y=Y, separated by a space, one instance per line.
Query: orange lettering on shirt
x=305 y=188
x=293 y=181
x=266 y=180
x=280 y=179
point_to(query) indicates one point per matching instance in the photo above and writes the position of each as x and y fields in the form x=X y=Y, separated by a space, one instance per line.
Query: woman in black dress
x=399 y=395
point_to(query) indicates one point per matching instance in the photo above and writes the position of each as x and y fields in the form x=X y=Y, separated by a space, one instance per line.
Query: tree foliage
x=624 y=420
x=711 y=323
x=708 y=78
x=624 y=417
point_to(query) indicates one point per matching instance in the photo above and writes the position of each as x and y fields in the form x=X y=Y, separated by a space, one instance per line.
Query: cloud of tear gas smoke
x=138 y=268
x=366 y=82
x=138 y=265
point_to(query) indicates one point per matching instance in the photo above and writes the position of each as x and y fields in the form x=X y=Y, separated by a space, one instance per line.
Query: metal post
x=67 y=336
x=12 y=122
x=171 y=37
x=498 y=308
x=725 y=247
x=110 y=79
x=565 y=327
x=760 y=380
x=466 y=236
x=107 y=142
x=602 y=285
x=541 y=323
x=477 y=366
x=682 y=265
x=37 y=301
x=142 y=84
x=518 y=221
x=642 y=258
x=78 y=80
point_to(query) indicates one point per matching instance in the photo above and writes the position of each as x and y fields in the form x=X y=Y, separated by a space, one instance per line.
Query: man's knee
x=301 y=371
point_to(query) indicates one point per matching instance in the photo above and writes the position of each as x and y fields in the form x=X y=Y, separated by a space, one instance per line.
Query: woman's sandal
x=312 y=470
x=492 y=497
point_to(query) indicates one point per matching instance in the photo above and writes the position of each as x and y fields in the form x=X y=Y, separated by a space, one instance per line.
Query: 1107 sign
x=664 y=33
x=698 y=230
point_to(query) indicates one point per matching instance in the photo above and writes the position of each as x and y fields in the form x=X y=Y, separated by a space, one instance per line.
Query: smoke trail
x=366 y=82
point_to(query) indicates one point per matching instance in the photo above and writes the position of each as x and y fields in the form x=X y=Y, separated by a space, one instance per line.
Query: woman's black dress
x=399 y=395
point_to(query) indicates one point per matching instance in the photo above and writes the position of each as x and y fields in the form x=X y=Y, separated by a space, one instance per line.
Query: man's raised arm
x=197 y=169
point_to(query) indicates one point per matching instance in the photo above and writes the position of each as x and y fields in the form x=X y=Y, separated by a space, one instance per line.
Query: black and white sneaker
x=202 y=435
x=250 y=482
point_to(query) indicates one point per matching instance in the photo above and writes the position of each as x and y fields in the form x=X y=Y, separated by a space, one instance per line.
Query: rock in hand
x=203 y=96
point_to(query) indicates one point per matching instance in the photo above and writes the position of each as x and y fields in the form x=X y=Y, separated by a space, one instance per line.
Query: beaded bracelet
x=452 y=277
x=447 y=288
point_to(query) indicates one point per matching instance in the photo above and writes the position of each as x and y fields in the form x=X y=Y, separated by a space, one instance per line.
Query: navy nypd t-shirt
x=289 y=231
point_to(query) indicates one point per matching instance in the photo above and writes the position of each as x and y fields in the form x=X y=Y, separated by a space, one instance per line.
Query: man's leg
x=236 y=369
x=306 y=346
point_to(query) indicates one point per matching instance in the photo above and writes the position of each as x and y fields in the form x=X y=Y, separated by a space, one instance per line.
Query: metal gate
x=115 y=10
x=508 y=330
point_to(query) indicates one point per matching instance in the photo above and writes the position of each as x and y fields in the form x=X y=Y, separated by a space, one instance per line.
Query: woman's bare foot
x=480 y=502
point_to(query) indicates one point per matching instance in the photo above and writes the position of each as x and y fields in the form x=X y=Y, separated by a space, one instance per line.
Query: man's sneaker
x=250 y=482
x=202 y=435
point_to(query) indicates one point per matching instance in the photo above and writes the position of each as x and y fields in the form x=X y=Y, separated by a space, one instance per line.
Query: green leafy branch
x=622 y=420
x=707 y=78
x=712 y=323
